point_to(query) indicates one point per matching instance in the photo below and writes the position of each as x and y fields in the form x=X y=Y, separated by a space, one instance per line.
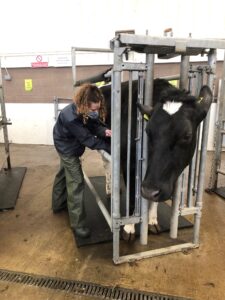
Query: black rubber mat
x=10 y=183
x=100 y=231
x=99 y=227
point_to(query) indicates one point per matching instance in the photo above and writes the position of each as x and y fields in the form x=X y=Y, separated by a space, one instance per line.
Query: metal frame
x=121 y=45
x=219 y=133
x=3 y=125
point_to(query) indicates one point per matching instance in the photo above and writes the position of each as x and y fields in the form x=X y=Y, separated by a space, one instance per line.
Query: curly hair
x=86 y=94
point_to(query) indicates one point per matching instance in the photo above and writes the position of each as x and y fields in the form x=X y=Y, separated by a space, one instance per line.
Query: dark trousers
x=68 y=190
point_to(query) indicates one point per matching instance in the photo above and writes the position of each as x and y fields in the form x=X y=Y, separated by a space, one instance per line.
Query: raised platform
x=100 y=230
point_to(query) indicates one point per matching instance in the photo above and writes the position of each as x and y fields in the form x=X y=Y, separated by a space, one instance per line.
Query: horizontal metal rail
x=145 y=40
x=92 y=49
x=155 y=252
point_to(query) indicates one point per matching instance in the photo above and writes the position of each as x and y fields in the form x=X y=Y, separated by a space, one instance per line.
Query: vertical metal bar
x=220 y=123
x=73 y=58
x=177 y=197
x=115 y=147
x=147 y=101
x=193 y=167
x=138 y=167
x=210 y=82
x=129 y=144
x=4 y=121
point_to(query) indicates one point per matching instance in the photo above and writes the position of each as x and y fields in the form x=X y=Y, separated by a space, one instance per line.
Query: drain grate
x=82 y=288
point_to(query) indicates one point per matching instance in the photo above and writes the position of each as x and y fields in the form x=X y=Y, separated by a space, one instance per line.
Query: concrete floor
x=33 y=240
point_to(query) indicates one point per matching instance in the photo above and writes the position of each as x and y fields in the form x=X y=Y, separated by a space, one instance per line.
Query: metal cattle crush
x=184 y=203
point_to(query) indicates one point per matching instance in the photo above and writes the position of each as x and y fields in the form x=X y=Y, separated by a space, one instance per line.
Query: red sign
x=39 y=63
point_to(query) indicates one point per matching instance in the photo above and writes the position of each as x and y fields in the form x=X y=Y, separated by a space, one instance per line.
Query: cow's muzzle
x=150 y=194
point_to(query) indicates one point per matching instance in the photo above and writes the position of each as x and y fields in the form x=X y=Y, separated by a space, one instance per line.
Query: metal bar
x=147 y=101
x=4 y=121
x=189 y=211
x=99 y=201
x=177 y=198
x=172 y=77
x=197 y=217
x=129 y=145
x=73 y=59
x=115 y=147
x=219 y=132
x=127 y=66
x=155 y=252
x=192 y=175
x=138 y=176
x=220 y=172
x=92 y=49
x=145 y=40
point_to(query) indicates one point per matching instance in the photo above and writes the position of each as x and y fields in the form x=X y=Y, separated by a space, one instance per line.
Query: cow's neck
x=172 y=107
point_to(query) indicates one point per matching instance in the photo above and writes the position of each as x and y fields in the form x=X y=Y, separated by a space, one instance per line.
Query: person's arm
x=97 y=128
x=86 y=138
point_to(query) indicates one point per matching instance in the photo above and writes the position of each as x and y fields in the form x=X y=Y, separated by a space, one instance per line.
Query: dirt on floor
x=34 y=240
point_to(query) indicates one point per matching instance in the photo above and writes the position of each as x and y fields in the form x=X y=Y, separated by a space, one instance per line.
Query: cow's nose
x=149 y=193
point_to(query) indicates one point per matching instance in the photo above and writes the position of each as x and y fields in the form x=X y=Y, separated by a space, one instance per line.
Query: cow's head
x=171 y=140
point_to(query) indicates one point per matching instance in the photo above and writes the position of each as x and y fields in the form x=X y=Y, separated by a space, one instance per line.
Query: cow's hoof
x=128 y=237
x=153 y=220
x=154 y=229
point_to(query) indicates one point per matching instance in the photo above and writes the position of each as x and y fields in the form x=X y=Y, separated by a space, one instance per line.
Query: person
x=79 y=125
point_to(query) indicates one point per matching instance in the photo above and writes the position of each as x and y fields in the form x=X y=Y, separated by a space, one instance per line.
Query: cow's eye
x=186 y=138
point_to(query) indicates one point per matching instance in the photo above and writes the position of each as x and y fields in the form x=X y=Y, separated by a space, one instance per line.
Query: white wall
x=31 y=123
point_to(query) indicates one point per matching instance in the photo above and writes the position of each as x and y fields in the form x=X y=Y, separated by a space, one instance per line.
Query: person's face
x=94 y=106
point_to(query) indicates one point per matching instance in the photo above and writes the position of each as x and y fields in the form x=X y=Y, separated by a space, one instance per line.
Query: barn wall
x=32 y=112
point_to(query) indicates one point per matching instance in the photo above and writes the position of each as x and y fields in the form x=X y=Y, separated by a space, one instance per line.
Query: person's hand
x=108 y=132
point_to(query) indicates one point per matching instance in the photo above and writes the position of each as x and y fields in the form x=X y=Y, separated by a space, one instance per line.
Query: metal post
x=177 y=197
x=139 y=136
x=219 y=137
x=193 y=167
x=129 y=144
x=73 y=58
x=210 y=82
x=115 y=147
x=147 y=101
x=4 y=121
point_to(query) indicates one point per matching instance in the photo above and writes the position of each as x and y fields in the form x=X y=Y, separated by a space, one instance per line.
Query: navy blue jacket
x=71 y=135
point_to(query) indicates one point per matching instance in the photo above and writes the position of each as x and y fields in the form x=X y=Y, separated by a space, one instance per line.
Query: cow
x=171 y=129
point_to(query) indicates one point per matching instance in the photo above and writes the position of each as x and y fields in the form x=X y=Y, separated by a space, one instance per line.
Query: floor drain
x=82 y=288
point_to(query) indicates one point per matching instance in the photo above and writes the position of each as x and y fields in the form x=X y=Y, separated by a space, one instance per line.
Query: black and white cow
x=171 y=130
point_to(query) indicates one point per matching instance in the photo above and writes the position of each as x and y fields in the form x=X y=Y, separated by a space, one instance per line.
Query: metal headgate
x=183 y=204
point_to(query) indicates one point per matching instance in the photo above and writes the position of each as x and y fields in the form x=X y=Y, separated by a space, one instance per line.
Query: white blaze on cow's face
x=172 y=107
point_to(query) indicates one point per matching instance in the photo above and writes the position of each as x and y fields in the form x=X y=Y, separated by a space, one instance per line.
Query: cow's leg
x=153 y=225
x=128 y=232
x=107 y=167
x=152 y=213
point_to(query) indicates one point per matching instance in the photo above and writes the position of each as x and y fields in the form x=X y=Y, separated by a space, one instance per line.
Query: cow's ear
x=145 y=109
x=204 y=101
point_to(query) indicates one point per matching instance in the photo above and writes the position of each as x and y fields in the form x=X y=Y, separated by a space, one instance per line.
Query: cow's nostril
x=155 y=194
x=150 y=194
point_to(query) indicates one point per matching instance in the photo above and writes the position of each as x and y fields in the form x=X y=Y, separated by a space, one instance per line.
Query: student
x=79 y=125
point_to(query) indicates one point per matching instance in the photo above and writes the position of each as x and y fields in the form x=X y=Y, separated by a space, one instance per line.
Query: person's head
x=90 y=102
